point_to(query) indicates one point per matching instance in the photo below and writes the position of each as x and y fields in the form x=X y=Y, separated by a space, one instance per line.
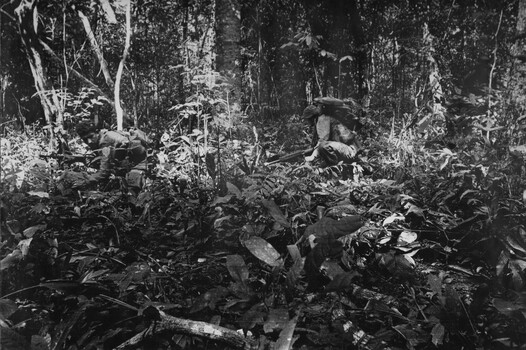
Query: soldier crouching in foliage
x=333 y=142
x=120 y=153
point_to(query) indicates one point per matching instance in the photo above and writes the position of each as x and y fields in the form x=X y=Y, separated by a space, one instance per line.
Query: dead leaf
x=30 y=231
x=264 y=251
x=406 y=237
x=438 y=333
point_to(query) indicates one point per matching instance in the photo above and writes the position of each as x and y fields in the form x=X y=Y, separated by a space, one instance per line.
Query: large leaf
x=285 y=340
x=237 y=268
x=275 y=212
x=263 y=250
x=342 y=282
x=7 y=308
x=438 y=333
x=11 y=259
x=337 y=228
x=295 y=270
x=232 y=189
x=327 y=247
x=30 y=231
x=276 y=319
x=509 y=308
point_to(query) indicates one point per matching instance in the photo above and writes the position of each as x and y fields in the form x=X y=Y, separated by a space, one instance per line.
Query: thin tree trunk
x=96 y=48
x=228 y=37
x=27 y=15
x=518 y=70
x=358 y=34
x=118 y=107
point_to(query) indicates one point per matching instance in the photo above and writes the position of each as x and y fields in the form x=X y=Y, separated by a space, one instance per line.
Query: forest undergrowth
x=413 y=246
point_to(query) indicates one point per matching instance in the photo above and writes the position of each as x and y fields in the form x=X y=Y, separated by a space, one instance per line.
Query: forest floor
x=375 y=255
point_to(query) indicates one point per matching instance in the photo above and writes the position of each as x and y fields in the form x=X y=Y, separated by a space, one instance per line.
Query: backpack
x=345 y=111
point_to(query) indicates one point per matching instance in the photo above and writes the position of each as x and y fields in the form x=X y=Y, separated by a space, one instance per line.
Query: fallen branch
x=189 y=327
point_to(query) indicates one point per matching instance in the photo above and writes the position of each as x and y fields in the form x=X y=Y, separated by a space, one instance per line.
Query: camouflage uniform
x=334 y=142
x=120 y=153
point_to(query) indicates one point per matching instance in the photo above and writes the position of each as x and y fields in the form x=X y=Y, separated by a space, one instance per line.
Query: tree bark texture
x=228 y=51
x=518 y=70
x=27 y=16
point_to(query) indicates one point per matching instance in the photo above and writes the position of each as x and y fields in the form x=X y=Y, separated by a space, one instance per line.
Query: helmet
x=329 y=101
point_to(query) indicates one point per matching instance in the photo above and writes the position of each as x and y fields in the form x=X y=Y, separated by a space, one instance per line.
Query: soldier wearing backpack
x=335 y=139
x=121 y=153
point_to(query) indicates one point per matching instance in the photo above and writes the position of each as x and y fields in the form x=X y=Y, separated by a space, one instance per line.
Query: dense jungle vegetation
x=420 y=243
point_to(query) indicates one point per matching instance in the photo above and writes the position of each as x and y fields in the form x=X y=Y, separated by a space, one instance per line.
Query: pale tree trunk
x=118 y=107
x=108 y=11
x=518 y=71
x=228 y=50
x=27 y=16
x=97 y=49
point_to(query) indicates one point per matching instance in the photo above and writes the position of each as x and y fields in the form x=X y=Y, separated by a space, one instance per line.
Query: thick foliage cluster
x=405 y=256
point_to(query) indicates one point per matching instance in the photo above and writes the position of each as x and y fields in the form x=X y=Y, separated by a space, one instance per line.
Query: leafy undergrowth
x=384 y=253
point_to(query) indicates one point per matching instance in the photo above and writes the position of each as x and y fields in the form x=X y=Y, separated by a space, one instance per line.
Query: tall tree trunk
x=518 y=70
x=27 y=16
x=228 y=51
x=360 y=41
x=118 y=107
